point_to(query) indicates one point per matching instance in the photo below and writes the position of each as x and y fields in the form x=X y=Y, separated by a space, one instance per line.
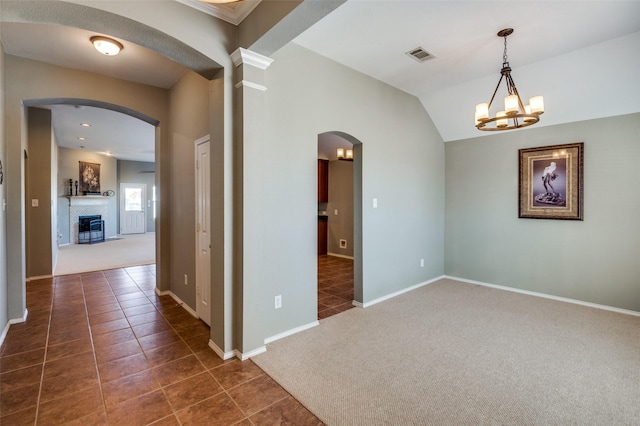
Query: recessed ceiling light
x=106 y=46
x=85 y=124
x=80 y=138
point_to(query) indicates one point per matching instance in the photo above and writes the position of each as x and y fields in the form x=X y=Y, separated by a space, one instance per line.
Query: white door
x=203 y=231
x=132 y=214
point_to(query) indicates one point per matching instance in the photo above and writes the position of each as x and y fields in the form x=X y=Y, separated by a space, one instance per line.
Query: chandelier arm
x=495 y=91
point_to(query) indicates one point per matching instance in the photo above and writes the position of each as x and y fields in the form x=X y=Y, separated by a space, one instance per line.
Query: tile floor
x=335 y=285
x=102 y=348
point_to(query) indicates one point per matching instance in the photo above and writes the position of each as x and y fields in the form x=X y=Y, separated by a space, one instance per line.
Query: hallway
x=102 y=348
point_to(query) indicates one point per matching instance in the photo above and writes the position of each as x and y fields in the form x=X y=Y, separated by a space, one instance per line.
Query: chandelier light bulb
x=511 y=104
x=340 y=152
x=503 y=121
x=537 y=105
x=349 y=154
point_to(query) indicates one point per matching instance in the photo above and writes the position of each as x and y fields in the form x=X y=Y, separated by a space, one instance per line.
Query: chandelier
x=515 y=113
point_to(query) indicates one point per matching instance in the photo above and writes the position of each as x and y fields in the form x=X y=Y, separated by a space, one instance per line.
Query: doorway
x=339 y=270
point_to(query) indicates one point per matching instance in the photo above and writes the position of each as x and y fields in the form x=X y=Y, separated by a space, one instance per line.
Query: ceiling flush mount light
x=344 y=154
x=515 y=113
x=106 y=45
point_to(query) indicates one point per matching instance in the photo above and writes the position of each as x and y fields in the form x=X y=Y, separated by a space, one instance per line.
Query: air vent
x=419 y=54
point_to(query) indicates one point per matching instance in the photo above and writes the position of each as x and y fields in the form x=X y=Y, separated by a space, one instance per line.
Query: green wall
x=595 y=260
x=307 y=95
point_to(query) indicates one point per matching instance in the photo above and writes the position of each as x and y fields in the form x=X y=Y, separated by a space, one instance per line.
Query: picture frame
x=550 y=183
x=89 y=178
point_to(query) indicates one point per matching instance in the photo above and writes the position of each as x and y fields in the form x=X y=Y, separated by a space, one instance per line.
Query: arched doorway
x=339 y=223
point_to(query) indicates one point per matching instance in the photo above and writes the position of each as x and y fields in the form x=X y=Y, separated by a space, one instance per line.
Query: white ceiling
x=372 y=36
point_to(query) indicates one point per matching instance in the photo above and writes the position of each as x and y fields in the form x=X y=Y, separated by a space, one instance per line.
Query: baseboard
x=222 y=354
x=40 y=277
x=397 y=293
x=357 y=304
x=547 y=296
x=245 y=356
x=340 y=255
x=11 y=322
x=178 y=301
x=290 y=332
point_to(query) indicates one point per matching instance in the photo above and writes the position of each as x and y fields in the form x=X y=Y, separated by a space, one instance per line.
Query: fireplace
x=90 y=229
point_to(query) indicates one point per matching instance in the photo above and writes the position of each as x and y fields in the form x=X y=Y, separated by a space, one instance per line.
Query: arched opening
x=339 y=223
x=70 y=252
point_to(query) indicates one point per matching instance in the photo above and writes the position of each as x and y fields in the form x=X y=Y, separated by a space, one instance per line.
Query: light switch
x=375 y=203
x=34 y=202
x=335 y=212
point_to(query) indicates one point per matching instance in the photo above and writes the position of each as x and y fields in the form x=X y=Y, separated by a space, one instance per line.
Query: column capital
x=243 y=56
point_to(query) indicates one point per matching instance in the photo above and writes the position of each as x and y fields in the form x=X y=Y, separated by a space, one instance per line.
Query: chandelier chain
x=504 y=55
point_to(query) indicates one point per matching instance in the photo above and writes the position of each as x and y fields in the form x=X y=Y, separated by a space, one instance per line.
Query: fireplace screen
x=90 y=229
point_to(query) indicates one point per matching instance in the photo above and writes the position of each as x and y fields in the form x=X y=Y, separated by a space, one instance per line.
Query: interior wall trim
x=178 y=300
x=247 y=83
x=398 y=293
x=290 y=332
x=245 y=356
x=548 y=296
x=222 y=354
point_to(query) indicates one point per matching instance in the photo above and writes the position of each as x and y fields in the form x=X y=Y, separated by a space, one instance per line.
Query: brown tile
x=98 y=309
x=106 y=327
x=24 y=338
x=285 y=412
x=24 y=417
x=177 y=370
x=68 y=375
x=122 y=367
x=257 y=394
x=218 y=410
x=209 y=358
x=19 y=399
x=68 y=335
x=170 y=420
x=103 y=317
x=141 y=410
x=198 y=344
x=74 y=347
x=19 y=378
x=145 y=318
x=159 y=339
x=99 y=418
x=21 y=360
x=192 y=390
x=134 y=295
x=118 y=350
x=168 y=353
x=149 y=328
x=70 y=407
x=142 y=309
x=129 y=387
x=236 y=372
x=113 y=338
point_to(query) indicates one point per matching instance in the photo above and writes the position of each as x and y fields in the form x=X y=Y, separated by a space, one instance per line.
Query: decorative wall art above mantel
x=551 y=182
x=89 y=178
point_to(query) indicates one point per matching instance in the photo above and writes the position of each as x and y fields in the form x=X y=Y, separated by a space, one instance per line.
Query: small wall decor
x=89 y=178
x=1 y=173
x=550 y=182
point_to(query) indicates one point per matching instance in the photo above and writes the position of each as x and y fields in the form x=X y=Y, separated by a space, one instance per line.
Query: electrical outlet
x=422 y=263
x=186 y=279
x=278 y=302
x=343 y=244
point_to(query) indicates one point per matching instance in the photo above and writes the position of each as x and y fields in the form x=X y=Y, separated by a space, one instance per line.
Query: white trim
x=340 y=255
x=222 y=354
x=398 y=293
x=178 y=300
x=290 y=332
x=233 y=13
x=40 y=277
x=357 y=304
x=251 y=85
x=548 y=296
x=245 y=356
x=243 y=56
x=13 y=321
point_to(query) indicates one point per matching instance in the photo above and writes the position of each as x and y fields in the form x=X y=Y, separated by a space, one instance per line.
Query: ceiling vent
x=419 y=54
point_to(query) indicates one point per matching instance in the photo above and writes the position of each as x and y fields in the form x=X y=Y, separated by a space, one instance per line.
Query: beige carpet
x=127 y=250
x=460 y=354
